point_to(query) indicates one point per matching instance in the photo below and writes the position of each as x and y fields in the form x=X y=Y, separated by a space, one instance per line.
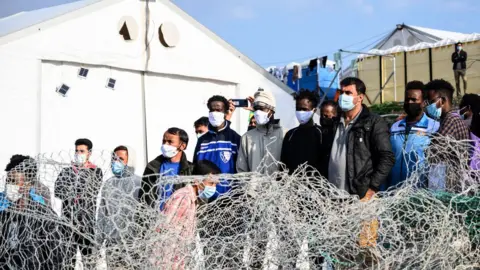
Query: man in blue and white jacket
x=411 y=136
x=220 y=144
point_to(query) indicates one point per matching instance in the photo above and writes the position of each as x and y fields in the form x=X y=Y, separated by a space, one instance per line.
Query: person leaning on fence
x=260 y=151
x=180 y=218
x=31 y=236
x=459 y=60
x=119 y=198
x=78 y=186
x=157 y=186
x=362 y=155
x=410 y=137
x=306 y=144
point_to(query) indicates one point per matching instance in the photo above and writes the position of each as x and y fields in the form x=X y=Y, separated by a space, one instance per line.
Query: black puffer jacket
x=369 y=154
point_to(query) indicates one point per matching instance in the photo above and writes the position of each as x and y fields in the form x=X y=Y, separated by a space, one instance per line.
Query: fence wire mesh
x=56 y=216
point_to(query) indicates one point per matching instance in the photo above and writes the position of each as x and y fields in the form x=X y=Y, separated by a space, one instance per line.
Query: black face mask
x=413 y=109
x=251 y=127
x=324 y=121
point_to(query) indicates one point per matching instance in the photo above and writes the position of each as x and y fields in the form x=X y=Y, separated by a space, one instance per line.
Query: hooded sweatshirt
x=119 y=198
x=263 y=142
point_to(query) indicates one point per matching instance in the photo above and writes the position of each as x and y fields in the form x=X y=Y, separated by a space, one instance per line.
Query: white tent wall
x=90 y=110
x=19 y=88
x=201 y=63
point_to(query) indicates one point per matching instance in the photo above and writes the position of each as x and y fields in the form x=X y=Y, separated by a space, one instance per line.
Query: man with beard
x=410 y=136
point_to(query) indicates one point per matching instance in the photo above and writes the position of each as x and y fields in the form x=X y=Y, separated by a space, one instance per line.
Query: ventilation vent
x=111 y=83
x=128 y=28
x=63 y=89
x=169 y=35
x=83 y=72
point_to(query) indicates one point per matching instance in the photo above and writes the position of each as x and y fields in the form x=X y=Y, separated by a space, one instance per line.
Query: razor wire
x=431 y=221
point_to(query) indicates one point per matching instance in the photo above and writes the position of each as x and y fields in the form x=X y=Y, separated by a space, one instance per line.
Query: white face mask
x=169 y=151
x=261 y=117
x=201 y=134
x=304 y=116
x=80 y=159
x=216 y=119
x=13 y=192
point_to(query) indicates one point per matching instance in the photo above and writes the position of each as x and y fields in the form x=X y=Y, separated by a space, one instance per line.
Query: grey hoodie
x=119 y=200
x=257 y=144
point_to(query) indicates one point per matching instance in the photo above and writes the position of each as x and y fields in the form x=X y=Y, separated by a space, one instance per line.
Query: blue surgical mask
x=346 y=102
x=208 y=192
x=433 y=111
x=118 y=168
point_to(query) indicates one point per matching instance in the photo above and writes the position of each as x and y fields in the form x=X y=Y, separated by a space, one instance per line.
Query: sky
x=275 y=32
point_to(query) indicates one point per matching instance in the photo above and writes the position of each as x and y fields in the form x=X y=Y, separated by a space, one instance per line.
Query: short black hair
x=221 y=99
x=441 y=87
x=472 y=100
x=330 y=103
x=359 y=84
x=85 y=142
x=312 y=96
x=416 y=85
x=120 y=148
x=205 y=167
x=24 y=164
x=202 y=121
x=181 y=134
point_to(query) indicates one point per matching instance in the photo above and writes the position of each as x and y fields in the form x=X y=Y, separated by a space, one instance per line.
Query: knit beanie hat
x=262 y=96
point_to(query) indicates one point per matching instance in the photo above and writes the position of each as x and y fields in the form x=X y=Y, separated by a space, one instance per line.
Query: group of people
x=351 y=147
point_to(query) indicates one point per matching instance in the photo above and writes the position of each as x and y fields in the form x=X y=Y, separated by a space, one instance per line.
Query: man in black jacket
x=459 y=60
x=78 y=186
x=172 y=162
x=362 y=155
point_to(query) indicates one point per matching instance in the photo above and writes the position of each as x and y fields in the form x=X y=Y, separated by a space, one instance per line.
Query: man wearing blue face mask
x=440 y=108
x=119 y=197
x=361 y=156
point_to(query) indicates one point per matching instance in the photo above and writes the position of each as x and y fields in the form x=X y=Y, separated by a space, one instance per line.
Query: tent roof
x=411 y=38
x=25 y=19
x=23 y=23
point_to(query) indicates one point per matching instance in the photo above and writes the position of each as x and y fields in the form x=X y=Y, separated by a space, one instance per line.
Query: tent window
x=63 y=89
x=83 y=72
x=111 y=83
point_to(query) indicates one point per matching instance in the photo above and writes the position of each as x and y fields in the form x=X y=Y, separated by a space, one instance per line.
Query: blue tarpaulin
x=311 y=79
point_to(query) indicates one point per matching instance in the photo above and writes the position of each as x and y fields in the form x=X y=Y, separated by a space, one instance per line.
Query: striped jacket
x=220 y=148
x=409 y=148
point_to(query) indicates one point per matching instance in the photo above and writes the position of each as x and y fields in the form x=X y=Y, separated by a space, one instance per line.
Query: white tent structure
x=150 y=67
